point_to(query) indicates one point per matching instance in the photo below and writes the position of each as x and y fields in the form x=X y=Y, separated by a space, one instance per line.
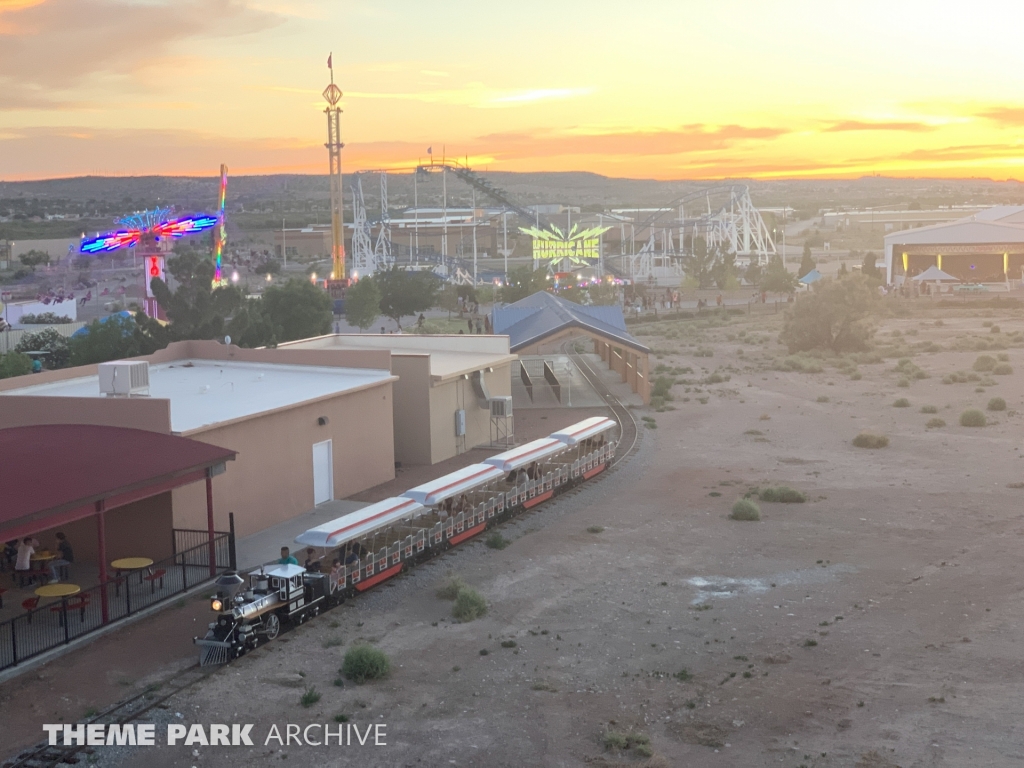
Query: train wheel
x=272 y=626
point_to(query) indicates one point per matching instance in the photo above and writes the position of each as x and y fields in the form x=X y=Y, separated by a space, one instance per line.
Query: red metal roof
x=54 y=473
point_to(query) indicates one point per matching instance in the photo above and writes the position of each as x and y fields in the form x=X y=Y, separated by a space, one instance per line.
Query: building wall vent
x=501 y=407
x=124 y=378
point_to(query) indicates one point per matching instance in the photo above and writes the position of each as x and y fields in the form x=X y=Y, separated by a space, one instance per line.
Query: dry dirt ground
x=875 y=625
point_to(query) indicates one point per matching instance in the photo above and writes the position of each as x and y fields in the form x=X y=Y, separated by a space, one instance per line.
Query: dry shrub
x=984 y=363
x=1002 y=369
x=869 y=440
x=997 y=404
x=901 y=403
x=449 y=588
x=745 y=509
x=972 y=417
x=469 y=605
x=783 y=494
x=935 y=423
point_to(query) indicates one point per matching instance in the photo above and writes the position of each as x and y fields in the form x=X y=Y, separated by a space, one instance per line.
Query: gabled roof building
x=543 y=323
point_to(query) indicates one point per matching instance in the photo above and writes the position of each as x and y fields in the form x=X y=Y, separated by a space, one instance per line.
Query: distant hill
x=286 y=192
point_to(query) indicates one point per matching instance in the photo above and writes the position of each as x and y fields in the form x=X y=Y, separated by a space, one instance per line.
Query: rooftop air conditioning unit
x=124 y=378
x=501 y=407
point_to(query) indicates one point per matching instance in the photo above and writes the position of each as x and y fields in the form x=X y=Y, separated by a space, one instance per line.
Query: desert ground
x=632 y=622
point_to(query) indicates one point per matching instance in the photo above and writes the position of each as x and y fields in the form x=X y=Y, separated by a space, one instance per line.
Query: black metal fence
x=59 y=622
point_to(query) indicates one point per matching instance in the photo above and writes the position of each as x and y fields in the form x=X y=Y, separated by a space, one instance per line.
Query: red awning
x=53 y=474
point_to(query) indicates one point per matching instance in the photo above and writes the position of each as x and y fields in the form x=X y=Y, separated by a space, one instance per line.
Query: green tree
x=34 y=258
x=196 y=309
x=869 y=268
x=699 y=263
x=117 y=338
x=833 y=317
x=843 y=271
x=776 y=278
x=297 y=310
x=14 y=364
x=58 y=354
x=807 y=262
x=268 y=267
x=250 y=327
x=523 y=282
x=723 y=269
x=754 y=273
x=448 y=298
x=362 y=303
x=405 y=293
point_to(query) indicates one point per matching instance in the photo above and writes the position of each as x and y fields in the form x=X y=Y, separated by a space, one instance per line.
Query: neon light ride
x=150 y=231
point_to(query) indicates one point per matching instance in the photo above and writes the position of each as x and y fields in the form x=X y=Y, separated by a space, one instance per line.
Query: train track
x=42 y=755
x=629 y=431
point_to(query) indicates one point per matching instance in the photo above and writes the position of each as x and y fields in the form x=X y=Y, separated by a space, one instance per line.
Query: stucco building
x=307 y=426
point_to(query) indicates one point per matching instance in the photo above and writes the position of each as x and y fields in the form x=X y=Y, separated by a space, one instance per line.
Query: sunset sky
x=648 y=89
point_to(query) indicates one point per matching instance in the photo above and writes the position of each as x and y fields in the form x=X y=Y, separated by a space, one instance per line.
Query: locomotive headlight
x=216 y=605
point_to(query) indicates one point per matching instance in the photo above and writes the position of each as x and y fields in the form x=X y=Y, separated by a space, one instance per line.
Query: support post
x=209 y=524
x=232 y=556
x=101 y=546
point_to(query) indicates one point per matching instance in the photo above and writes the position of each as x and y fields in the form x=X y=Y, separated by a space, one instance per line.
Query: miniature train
x=379 y=541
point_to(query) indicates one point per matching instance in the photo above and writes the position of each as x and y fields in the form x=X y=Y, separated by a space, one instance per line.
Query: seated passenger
x=511 y=477
x=464 y=505
x=337 y=575
x=312 y=563
x=351 y=554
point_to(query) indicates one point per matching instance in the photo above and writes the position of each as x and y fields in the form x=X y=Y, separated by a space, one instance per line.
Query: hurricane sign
x=578 y=245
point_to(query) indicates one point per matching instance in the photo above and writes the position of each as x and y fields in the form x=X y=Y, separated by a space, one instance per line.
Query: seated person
x=337 y=575
x=312 y=563
x=65 y=557
x=287 y=558
x=351 y=553
x=10 y=553
x=464 y=505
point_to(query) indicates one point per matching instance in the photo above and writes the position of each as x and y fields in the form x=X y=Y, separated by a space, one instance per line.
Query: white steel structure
x=368 y=257
x=735 y=227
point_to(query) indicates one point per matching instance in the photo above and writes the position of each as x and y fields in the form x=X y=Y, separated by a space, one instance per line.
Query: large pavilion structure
x=542 y=323
x=108 y=489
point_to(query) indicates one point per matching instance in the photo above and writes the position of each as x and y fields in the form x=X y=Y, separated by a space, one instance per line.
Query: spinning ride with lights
x=151 y=233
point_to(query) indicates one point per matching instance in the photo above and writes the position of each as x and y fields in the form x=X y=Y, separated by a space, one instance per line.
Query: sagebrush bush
x=364 y=662
x=972 y=417
x=745 y=509
x=984 y=363
x=497 y=541
x=869 y=440
x=469 y=605
x=450 y=587
x=997 y=404
x=901 y=403
x=929 y=409
x=1002 y=369
x=935 y=423
x=783 y=494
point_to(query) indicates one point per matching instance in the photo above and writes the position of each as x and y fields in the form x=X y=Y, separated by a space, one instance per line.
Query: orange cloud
x=1007 y=117
x=861 y=125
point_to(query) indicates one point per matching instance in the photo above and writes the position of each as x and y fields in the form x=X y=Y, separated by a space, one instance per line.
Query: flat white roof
x=536 y=450
x=208 y=392
x=361 y=522
x=458 y=482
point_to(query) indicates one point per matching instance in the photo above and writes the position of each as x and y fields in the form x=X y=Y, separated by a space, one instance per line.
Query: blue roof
x=84 y=330
x=811 y=277
x=543 y=314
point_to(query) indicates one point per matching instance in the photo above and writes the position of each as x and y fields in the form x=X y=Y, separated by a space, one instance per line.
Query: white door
x=323 y=476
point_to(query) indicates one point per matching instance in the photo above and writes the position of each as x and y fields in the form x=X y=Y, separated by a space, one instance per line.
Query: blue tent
x=811 y=277
x=84 y=331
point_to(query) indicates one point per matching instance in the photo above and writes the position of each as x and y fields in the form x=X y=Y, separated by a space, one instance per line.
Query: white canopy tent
x=934 y=275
